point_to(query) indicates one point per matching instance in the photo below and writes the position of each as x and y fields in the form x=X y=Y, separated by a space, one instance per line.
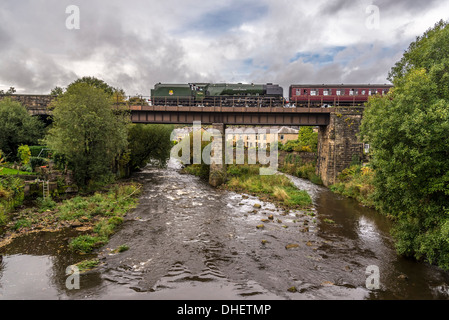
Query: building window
x=282 y=137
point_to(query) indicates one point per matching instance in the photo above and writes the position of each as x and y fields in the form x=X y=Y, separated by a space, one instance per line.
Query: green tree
x=308 y=138
x=17 y=127
x=409 y=133
x=10 y=91
x=57 y=91
x=88 y=133
x=148 y=142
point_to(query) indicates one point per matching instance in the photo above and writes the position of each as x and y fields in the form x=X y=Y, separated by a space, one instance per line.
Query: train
x=263 y=95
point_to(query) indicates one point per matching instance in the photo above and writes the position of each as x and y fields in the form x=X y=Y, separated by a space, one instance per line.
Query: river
x=189 y=241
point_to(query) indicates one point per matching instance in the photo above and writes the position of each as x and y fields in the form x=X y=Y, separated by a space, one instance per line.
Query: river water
x=189 y=241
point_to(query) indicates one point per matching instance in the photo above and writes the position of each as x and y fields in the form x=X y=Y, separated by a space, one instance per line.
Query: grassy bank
x=303 y=171
x=97 y=216
x=247 y=179
x=356 y=182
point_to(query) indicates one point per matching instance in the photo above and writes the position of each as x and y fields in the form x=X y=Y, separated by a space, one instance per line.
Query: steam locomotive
x=262 y=95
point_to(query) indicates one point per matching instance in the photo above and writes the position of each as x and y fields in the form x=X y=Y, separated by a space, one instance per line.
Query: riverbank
x=356 y=182
x=95 y=216
x=277 y=189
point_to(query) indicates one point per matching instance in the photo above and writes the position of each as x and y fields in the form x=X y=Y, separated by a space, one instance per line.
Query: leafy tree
x=57 y=91
x=307 y=141
x=88 y=133
x=409 y=132
x=148 y=142
x=308 y=138
x=10 y=91
x=17 y=127
x=100 y=84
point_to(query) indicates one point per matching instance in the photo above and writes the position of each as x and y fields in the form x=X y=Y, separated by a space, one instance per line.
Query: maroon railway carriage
x=312 y=95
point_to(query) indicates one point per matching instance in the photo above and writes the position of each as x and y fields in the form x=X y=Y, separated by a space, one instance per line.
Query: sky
x=135 y=44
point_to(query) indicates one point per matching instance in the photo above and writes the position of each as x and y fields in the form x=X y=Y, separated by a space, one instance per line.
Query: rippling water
x=190 y=241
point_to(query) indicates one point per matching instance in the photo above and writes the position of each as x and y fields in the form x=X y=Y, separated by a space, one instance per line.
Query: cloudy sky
x=134 y=44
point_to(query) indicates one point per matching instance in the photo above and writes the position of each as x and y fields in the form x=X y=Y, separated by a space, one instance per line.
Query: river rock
x=291 y=246
x=76 y=224
x=257 y=206
x=261 y=226
x=403 y=277
x=271 y=217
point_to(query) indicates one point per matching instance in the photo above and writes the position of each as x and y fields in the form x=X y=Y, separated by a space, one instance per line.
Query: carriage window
x=352 y=92
x=298 y=92
x=340 y=92
x=305 y=92
x=313 y=92
x=363 y=92
x=326 y=92
x=385 y=92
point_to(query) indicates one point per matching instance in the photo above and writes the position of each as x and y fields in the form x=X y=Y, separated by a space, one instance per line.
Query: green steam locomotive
x=218 y=95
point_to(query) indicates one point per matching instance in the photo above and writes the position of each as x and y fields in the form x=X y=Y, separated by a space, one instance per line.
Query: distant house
x=286 y=134
x=252 y=137
x=260 y=137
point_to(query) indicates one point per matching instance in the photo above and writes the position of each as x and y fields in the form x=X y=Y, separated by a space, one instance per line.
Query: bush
x=37 y=151
x=24 y=154
x=38 y=162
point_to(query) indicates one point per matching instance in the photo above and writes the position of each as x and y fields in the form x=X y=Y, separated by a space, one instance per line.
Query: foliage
x=307 y=141
x=94 y=82
x=39 y=151
x=24 y=154
x=17 y=127
x=87 y=265
x=294 y=165
x=13 y=172
x=87 y=243
x=356 y=182
x=277 y=187
x=199 y=169
x=107 y=208
x=10 y=91
x=409 y=133
x=88 y=133
x=38 y=162
x=57 y=91
x=11 y=195
x=148 y=142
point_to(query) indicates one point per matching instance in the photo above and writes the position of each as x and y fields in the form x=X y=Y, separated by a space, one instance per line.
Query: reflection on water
x=190 y=241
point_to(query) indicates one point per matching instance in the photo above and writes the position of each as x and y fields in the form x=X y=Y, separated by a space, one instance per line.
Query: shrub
x=38 y=162
x=24 y=154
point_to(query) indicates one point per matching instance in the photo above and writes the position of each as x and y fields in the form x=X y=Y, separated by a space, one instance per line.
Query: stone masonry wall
x=338 y=143
x=36 y=104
